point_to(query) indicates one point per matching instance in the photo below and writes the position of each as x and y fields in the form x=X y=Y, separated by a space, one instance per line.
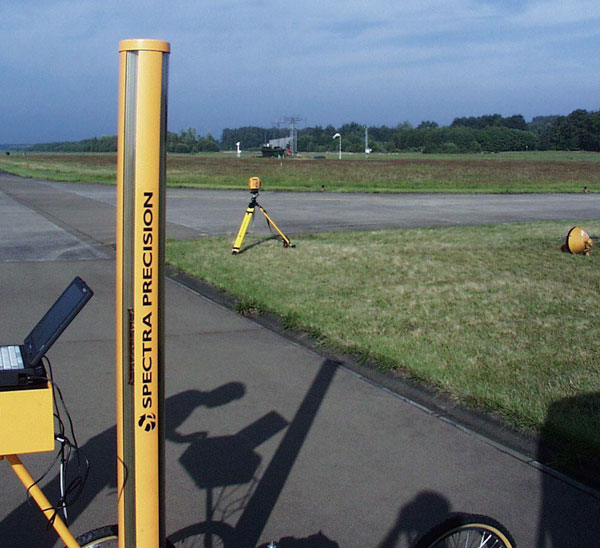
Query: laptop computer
x=21 y=365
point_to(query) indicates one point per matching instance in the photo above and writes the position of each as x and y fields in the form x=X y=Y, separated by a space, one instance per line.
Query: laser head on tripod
x=254 y=185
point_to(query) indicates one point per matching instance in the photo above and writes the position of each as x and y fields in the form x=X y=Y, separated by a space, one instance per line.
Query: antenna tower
x=293 y=120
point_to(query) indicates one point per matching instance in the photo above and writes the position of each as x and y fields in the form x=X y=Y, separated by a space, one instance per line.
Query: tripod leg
x=242 y=231
x=286 y=240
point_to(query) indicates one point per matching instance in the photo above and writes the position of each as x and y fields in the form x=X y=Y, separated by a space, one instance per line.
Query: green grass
x=497 y=316
x=465 y=173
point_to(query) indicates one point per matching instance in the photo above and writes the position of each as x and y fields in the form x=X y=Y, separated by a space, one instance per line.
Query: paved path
x=265 y=435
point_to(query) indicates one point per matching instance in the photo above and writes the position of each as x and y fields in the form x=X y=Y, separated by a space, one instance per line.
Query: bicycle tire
x=216 y=534
x=466 y=531
x=103 y=537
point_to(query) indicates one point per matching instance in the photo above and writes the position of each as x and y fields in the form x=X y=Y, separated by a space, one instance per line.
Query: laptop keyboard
x=10 y=358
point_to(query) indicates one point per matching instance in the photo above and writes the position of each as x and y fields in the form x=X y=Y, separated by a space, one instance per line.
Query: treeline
x=97 y=144
x=185 y=141
x=580 y=130
x=427 y=138
x=188 y=140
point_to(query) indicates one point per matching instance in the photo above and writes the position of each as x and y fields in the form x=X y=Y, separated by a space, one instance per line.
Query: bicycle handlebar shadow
x=26 y=527
x=257 y=506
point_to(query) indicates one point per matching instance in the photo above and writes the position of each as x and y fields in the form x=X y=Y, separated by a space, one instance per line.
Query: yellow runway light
x=578 y=242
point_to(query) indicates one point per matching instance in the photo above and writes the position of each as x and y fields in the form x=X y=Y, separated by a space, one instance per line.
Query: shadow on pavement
x=417 y=517
x=241 y=465
x=579 y=413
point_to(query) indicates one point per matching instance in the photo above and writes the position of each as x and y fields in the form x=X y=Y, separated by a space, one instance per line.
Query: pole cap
x=144 y=44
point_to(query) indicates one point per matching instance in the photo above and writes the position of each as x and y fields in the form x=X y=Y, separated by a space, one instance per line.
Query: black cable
x=69 y=450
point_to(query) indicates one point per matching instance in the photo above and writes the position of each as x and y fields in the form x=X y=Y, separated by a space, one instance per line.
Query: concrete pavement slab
x=22 y=226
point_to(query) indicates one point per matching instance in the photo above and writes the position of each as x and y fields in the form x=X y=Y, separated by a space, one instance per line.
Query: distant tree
x=404 y=126
x=541 y=126
x=479 y=122
x=251 y=137
x=181 y=148
x=492 y=120
x=515 y=122
x=207 y=144
x=580 y=130
x=427 y=124
x=503 y=139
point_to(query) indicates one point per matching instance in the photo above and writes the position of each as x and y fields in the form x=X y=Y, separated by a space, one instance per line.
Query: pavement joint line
x=85 y=238
x=213 y=332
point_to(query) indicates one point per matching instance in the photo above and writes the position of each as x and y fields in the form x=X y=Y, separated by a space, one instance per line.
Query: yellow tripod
x=254 y=185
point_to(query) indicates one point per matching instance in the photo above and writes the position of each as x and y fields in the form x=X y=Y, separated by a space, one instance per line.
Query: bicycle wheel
x=467 y=531
x=216 y=534
x=103 y=537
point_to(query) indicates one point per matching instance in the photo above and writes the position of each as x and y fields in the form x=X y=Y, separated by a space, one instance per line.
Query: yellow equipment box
x=26 y=421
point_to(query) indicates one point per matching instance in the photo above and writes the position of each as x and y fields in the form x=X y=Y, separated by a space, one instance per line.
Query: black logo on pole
x=147 y=421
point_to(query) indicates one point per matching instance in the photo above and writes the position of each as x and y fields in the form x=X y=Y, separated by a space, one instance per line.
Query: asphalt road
x=266 y=439
x=220 y=212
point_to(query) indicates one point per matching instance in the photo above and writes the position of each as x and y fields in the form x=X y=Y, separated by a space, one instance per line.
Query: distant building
x=283 y=142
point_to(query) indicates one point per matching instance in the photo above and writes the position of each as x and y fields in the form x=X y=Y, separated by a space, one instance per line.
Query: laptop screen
x=55 y=321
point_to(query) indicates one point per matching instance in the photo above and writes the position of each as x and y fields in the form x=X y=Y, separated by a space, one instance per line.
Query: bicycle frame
x=40 y=499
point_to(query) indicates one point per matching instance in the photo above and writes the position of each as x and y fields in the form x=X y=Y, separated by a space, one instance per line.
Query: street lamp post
x=338 y=136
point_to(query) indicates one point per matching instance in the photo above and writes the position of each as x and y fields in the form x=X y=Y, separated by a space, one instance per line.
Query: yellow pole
x=141 y=180
x=41 y=500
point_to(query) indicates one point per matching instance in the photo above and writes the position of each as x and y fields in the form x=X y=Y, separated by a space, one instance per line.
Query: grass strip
x=474 y=173
x=495 y=316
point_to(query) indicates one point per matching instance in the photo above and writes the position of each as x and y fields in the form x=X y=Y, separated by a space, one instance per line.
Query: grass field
x=489 y=173
x=496 y=316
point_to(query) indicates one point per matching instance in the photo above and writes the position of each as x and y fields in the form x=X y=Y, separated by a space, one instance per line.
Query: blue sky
x=239 y=63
